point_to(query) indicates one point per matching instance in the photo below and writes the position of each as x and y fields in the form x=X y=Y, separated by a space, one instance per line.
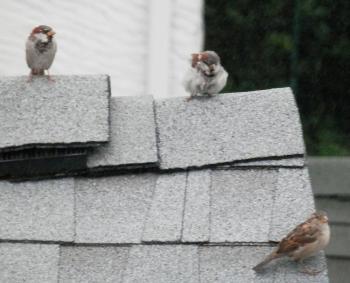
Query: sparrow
x=40 y=50
x=304 y=241
x=206 y=75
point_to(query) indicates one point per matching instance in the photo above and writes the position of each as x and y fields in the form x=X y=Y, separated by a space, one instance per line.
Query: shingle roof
x=231 y=127
x=133 y=139
x=45 y=127
x=187 y=224
x=73 y=110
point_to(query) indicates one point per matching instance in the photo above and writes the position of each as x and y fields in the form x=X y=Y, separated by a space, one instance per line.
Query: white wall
x=137 y=42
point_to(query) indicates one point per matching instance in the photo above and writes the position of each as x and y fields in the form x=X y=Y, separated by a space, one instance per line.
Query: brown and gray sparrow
x=40 y=50
x=206 y=76
x=304 y=241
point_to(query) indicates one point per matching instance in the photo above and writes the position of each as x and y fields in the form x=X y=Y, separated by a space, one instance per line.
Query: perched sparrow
x=40 y=50
x=304 y=241
x=206 y=75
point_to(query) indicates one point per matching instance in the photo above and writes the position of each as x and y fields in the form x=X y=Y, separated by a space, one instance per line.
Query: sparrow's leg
x=191 y=96
x=309 y=270
x=49 y=77
x=30 y=77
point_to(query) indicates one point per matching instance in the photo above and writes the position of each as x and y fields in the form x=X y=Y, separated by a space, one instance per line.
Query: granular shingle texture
x=241 y=202
x=42 y=210
x=72 y=110
x=196 y=222
x=293 y=202
x=30 y=263
x=232 y=264
x=112 y=209
x=164 y=221
x=163 y=264
x=290 y=271
x=92 y=264
x=228 y=128
x=237 y=182
x=133 y=134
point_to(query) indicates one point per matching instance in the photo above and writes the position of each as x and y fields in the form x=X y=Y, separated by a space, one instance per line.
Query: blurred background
x=145 y=46
x=301 y=43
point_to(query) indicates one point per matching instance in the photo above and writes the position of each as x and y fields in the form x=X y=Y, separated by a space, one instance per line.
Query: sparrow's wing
x=304 y=233
x=30 y=53
x=50 y=55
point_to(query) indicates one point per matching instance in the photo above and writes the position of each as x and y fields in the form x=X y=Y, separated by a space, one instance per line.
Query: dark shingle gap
x=104 y=171
x=40 y=164
x=74 y=244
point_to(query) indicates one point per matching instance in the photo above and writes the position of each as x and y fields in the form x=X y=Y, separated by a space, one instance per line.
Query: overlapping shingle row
x=146 y=263
x=215 y=206
x=217 y=180
x=242 y=129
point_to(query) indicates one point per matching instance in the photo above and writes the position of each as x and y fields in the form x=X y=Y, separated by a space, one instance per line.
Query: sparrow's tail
x=270 y=257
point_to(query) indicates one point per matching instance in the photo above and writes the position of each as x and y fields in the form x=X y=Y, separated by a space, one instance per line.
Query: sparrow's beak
x=195 y=59
x=51 y=33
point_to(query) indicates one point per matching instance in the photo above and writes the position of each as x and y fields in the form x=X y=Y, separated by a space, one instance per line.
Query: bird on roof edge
x=206 y=75
x=306 y=240
x=40 y=51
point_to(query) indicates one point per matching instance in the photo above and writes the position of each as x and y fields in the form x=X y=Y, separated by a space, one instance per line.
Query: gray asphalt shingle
x=164 y=220
x=241 y=202
x=73 y=109
x=112 y=209
x=234 y=264
x=196 y=220
x=145 y=227
x=163 y=264
x=41 y=210
x=293 y=202
x=92 y=264
x=133 y=134
x=231 y=264
x=289 y=271
x=30 y=263
x=228 y=128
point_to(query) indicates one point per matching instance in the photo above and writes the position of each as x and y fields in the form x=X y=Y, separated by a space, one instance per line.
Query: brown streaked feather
x=301 y=235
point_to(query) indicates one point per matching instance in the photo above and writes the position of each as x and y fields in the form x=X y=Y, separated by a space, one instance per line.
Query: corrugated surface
x=96 y=37
x=331 y=186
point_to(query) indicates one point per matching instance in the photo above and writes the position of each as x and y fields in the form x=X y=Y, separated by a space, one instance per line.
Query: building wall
x=331 y=186
x=134 y=41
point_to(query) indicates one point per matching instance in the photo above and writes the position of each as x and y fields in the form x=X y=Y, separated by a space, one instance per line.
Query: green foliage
x=263 y=45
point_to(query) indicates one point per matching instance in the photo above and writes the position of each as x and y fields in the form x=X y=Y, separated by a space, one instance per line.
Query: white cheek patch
x=41 y=36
